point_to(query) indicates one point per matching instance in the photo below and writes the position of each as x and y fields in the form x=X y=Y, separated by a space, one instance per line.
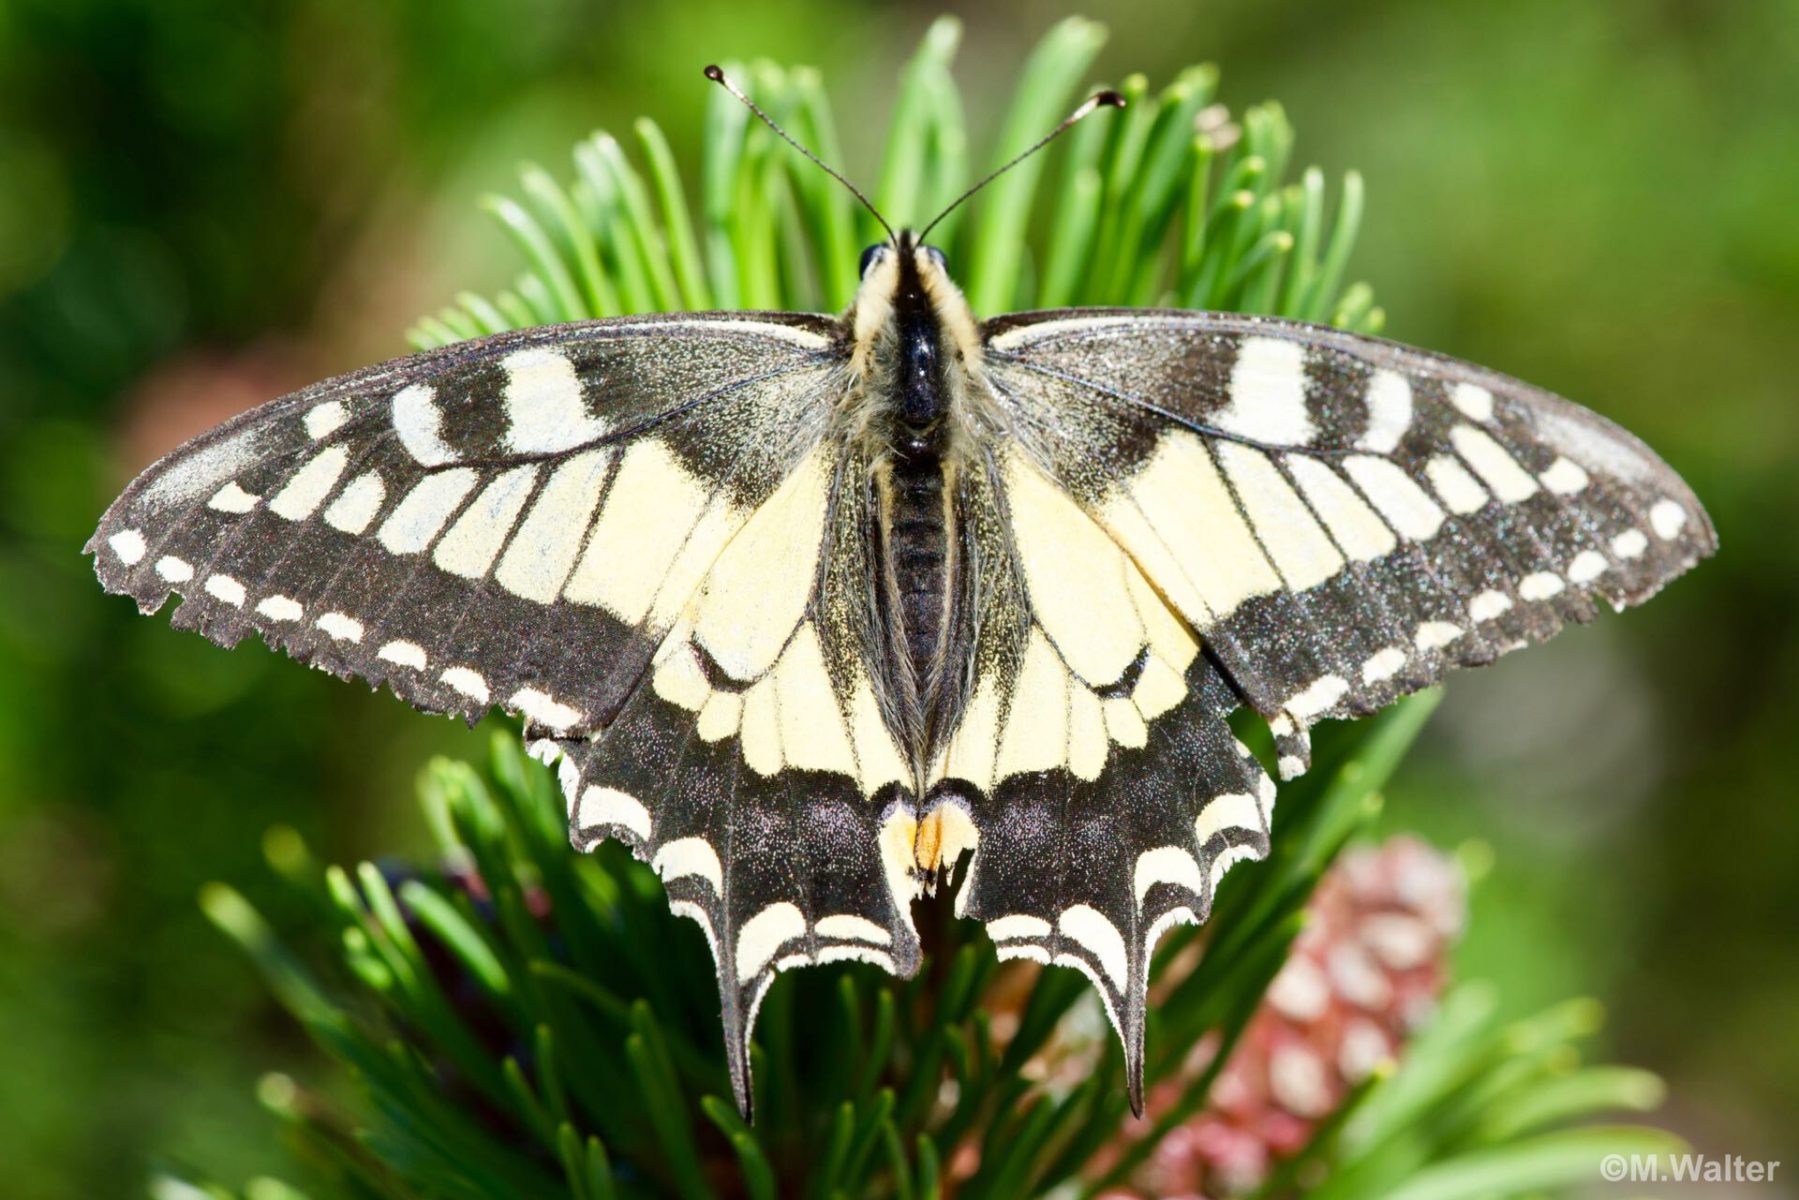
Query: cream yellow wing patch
x=746 y=654
x=1103 y=657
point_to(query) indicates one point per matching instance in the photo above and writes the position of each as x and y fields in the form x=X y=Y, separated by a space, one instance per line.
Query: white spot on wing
x=898 y=846
x=720 y=716
x=696 y=914
x=877 y=757
x=1587 y=566
x=1232 y=810
x=233 y=499
x=1383 y=664
x=1398 y=497
x=544 y=709
x=658 y=532
x=759 y=728
x=543 y=551
x=763 y=935
x=544 y=408
x=1088 y=746
x=323 y=420
x=419 y=422
x=1227 y=858
x=1158 y=689
x=1302 y=552
x=1564 y=477
x=1076 y=579
x=1267 y=394
x=690 y=857
x=1630 y=544
x=405 y=654
x=1179 y=915
x=280 y=608
x=341 y=626
x=474 y=541
x=1317 y=698
x=850 y=927
x=1179 y=521
x=1124 y=722
x=1094 y=930
x=857 y=953
x=812 y=730
x=1035 y=737
x=1017 y=927
x=1454 y=486
x=1357 y=528
x=1540 y=585
x=357 y=504
x=418 y=517
x=1489 y=604
x=1167 y=864
x=227 y=589
x=1501 y=472
x=1389 y=412
x=310 y=484
x=609 y=806
x=756 y=593
x=1667 y=519
x=1434 y=635
x=128 y=544
x=1476 y=402
x=469 y=682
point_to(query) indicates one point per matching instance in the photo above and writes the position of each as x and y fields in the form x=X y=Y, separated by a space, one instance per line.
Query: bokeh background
x=203 y=205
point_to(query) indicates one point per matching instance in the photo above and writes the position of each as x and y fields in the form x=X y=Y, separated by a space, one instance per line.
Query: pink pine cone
x=1366 y=970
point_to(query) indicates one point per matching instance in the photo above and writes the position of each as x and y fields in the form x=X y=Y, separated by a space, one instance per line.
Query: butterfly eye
x=870 y=257
x=936 y=256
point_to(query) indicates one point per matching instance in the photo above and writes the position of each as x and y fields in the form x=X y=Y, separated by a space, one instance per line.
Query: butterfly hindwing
x=751 y=764
x=1339 y=517
x=1092 y=773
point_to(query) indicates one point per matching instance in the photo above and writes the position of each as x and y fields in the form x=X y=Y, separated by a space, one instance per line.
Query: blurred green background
x=203 y=205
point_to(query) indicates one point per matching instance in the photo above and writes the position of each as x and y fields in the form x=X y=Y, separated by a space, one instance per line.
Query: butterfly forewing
x=514 y=521
x=1340 y=518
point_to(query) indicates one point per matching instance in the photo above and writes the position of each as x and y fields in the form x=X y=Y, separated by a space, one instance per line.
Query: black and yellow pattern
x=809 y=610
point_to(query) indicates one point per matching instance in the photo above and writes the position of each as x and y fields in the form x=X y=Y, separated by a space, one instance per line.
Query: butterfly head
x=908 y=304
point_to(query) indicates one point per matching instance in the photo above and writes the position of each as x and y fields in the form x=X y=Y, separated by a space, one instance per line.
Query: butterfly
x=811 y=610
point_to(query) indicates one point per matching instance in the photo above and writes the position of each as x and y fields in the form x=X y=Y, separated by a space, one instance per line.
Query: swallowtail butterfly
x=809 y=609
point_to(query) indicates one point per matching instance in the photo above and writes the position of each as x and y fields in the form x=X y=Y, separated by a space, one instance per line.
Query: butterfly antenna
x=1106 y=99
x=724 y=81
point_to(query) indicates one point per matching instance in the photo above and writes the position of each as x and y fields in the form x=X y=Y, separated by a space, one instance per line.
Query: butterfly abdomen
x=918 y=553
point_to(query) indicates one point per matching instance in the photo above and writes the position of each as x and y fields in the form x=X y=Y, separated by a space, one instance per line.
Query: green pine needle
x=1170 y=202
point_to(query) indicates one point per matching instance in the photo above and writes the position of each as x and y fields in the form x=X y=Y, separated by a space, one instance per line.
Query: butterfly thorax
x=915 y=348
